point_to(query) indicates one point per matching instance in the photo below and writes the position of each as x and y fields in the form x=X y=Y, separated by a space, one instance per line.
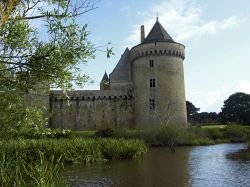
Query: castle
x=145 y=89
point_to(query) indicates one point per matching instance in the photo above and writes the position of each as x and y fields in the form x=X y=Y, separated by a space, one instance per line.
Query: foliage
x=16 y=118
x=39 y=162
x=17 y=170
x=174 y=136
x=235 y=133
x=195 y=117
x=41 y=46
x=236 y=109
x=108 y=132
x=191 y=109
x=205 y=118
x=82 y=134
x=202 y=141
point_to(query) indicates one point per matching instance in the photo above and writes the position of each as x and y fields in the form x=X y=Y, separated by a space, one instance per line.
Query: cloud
x=243 y=86
x=183 y=19
x=215 y=98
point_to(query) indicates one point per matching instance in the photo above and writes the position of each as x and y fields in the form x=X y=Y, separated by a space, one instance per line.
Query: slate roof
x=123 y=69
x=158 y=34
x=105 y=77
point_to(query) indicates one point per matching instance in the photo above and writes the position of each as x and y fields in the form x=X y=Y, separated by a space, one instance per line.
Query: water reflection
x=211 y=166
x=188 y=166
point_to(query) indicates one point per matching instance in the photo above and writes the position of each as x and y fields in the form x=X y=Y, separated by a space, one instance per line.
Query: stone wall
x=168 y=93
x=89 y=110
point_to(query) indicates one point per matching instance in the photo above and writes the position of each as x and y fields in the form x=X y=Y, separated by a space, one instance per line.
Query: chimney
x=142 y=34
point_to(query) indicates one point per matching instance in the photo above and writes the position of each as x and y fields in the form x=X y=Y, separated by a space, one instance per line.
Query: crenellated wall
x=89 y=110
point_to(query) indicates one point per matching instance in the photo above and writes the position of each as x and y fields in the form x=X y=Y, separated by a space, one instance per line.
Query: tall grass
x=173 y=135
x=39 y=162
x=16 y=170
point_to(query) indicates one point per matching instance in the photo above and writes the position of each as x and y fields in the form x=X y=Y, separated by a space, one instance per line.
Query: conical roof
x=158 y=34
x=105 y=77
x=122 y=70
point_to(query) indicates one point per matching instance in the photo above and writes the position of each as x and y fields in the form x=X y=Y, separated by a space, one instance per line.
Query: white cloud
x=212 y=101
x=243 y=86
x=183 y=19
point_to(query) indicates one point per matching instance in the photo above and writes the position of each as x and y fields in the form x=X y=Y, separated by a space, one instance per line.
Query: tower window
x=151 y=104
x=151 y=63
x=152 y=83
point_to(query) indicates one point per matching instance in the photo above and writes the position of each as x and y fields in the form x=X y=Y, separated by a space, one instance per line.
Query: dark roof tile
x=158 y=34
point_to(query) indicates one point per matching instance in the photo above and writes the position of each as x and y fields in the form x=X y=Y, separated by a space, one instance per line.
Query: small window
x=151 y=104
x=151 y=63
x=152 y=83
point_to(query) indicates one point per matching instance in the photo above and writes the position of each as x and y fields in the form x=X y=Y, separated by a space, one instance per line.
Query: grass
x=39 y=162
x=176 y=136
x=213 y=126
x=82 y=134
x=202 y=141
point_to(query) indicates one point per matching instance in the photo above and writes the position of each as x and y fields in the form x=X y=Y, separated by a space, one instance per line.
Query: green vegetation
x=236 y=109
x=31 y=57
x=213 y=126
x=176 y=136
x=39 y=162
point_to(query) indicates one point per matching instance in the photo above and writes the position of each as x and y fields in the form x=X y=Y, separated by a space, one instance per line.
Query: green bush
x=173 y=135
x=82 y=134
x=202 y=141
x=104 y=133
x=235 y=133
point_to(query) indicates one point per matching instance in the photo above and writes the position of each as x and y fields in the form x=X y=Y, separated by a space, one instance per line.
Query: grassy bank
x=39 y=162
x=175 y=136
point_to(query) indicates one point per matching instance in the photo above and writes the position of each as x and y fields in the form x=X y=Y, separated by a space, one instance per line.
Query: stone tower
x=145 y=89
x=158 y=79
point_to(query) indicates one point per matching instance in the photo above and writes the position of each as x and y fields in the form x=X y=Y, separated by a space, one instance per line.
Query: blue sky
x=215 y=33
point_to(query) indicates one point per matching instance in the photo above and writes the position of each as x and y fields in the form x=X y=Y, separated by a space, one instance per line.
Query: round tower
x=158 y=80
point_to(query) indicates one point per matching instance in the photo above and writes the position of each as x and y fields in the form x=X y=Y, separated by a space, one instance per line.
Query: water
x=216 y=166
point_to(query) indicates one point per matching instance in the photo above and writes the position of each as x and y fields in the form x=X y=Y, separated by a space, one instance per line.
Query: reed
x=39 y=162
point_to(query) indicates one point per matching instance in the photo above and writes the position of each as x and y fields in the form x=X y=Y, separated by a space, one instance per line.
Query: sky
x=216 y=35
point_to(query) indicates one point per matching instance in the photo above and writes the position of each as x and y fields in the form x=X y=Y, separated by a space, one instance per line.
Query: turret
x=105 y=85
x=158 y=80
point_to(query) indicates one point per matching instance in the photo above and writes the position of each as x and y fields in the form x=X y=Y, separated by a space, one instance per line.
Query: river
x=223 y=165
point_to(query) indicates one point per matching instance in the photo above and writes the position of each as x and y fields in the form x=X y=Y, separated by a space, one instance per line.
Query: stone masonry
x=145 y=89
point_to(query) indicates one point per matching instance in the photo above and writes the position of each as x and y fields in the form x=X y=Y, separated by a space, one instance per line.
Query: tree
x=206 y=117
x=191 y=109
x=27 y=61
x=236 y=109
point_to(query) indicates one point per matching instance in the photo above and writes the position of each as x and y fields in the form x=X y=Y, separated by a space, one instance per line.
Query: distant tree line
x=236 y=109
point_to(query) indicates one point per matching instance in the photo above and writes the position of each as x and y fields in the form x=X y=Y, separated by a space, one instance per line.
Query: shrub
x=235 y=133
x=104 y=133
x=202 y=141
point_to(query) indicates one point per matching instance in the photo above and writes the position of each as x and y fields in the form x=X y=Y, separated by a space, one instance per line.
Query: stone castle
x=145 y=89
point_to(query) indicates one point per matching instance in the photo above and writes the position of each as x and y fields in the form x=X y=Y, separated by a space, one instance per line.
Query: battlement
x=92 y=95
x=158 y=48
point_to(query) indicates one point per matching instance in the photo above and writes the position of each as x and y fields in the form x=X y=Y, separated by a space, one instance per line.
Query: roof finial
x=157 y=17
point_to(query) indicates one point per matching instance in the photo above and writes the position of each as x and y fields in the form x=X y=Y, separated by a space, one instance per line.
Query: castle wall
x=89 y=110
x=168 y=93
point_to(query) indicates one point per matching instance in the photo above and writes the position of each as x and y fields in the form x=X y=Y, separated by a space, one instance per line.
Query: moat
x=215 y=166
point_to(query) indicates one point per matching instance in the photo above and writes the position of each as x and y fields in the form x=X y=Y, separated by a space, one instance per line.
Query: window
x=151 y=63
x=151 y=104
x=152 y=83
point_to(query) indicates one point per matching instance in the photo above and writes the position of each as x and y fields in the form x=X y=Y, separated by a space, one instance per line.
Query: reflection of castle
x=146 y=88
